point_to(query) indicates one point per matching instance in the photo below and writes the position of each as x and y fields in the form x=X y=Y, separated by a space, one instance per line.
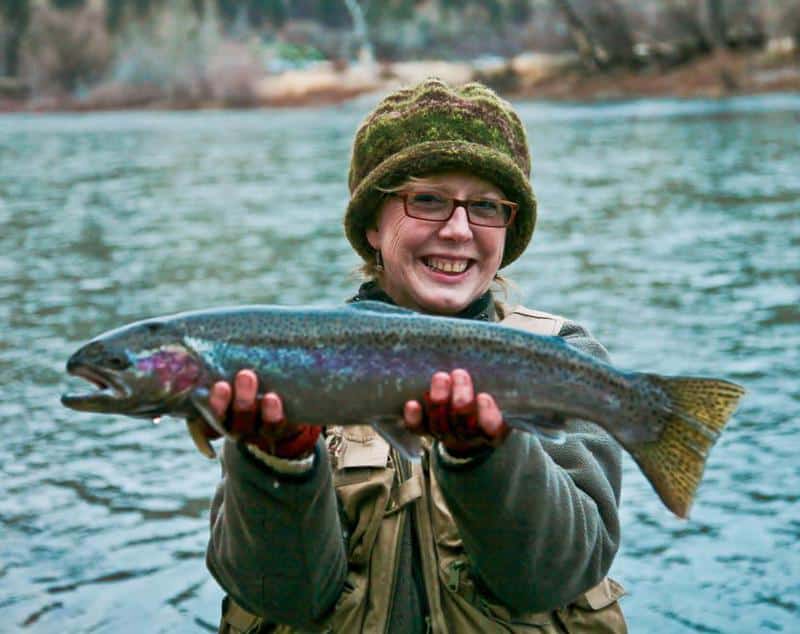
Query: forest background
x=106 y=54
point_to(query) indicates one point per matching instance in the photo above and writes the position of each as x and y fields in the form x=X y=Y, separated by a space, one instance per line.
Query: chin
x=444 y=305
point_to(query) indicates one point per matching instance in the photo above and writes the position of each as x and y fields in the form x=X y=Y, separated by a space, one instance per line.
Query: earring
x=378 y=261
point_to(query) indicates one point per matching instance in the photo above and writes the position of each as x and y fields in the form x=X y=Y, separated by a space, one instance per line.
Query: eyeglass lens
x=482 y=212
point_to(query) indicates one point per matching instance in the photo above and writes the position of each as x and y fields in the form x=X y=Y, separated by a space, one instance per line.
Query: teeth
x=448 y=266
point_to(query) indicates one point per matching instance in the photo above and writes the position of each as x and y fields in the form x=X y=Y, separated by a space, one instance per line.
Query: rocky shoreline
x=532 y=76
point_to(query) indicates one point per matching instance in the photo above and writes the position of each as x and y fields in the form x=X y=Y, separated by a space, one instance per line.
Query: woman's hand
x=451 y=412
x=260 y=420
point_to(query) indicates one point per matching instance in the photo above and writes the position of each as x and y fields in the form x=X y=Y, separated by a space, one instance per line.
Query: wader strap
x=534 y=321
x=603 y=594
x=407 y=492
x=363 y=447
x=237 y=620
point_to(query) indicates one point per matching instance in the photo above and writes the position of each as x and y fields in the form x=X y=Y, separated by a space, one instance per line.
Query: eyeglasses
x=435 y=207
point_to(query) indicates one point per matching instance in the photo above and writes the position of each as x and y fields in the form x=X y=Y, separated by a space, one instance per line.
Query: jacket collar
x=482 y=309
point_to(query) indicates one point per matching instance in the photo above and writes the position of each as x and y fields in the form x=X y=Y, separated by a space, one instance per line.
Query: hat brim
x=438 y=156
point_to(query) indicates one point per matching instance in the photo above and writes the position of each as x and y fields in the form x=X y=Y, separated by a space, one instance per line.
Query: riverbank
x=531 y=76
x=718 y=75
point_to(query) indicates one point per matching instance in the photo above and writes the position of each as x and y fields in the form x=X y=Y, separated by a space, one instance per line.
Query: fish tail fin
x=674 y=463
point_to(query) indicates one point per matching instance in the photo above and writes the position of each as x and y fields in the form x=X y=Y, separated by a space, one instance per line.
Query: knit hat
x=430 y=128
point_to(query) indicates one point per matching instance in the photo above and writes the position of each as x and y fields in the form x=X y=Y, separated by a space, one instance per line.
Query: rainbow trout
x=358 y=364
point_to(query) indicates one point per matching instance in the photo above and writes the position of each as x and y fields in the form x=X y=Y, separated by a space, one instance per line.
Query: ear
x=373 y=231
x=374 y=238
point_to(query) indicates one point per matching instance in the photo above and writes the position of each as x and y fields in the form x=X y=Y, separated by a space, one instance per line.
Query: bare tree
x=591 y=53
x=602 y=36
x=686 y=35
x=613 y=30
x=717 y=22
x=16 y=15
x=365 y=53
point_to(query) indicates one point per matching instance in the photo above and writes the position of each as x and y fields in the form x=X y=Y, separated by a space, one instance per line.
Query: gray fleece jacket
x=538 y=521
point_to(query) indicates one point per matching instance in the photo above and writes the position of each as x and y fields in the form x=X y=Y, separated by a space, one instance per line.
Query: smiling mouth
x=450 y=266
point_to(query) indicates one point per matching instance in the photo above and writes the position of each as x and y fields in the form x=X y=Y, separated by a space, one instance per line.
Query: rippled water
x=670 y=228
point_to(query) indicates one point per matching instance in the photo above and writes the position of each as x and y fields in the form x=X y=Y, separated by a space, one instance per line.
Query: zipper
x=400 y=469
x=430 y=572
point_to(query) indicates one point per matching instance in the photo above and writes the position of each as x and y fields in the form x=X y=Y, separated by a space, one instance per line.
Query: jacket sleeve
x=538 y=519
x=276 y=544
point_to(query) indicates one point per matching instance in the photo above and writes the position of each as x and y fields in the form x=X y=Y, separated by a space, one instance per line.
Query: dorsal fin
x=380 y=307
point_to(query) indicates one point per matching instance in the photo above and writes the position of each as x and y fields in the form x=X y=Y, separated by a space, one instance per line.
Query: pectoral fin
x=199 y=401
x=195 y=427
x=393 y=431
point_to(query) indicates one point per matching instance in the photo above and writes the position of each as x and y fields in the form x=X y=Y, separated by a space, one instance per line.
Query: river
x=670 y=228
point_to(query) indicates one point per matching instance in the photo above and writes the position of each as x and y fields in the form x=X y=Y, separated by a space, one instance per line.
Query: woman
x=493 y=530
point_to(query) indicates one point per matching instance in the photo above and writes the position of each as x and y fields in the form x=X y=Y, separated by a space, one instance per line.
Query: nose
x=457 y=227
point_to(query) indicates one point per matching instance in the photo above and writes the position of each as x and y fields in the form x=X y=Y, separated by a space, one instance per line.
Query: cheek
x=493 y=246
x=399 y=237
x=175 y=370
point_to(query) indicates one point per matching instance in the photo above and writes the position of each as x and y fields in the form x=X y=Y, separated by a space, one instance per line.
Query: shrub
x=64 y=50
x=172 y=50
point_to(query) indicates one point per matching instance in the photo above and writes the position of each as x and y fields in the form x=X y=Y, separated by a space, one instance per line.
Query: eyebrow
x=443 y=189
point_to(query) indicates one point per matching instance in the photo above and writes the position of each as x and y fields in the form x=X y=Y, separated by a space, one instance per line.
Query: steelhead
x=359 y=363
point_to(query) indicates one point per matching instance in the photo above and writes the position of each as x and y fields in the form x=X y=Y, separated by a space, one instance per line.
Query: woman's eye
x=484 y=206
x=427 y=198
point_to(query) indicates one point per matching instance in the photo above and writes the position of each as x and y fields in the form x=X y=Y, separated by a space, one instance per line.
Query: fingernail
x=245 y=380
x=273 y=407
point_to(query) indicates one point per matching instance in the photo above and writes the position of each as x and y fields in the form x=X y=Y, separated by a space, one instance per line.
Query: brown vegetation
x=99 y=54
x=63 y=51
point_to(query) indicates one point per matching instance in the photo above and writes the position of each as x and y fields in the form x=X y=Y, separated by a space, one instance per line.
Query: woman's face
x=438 y=267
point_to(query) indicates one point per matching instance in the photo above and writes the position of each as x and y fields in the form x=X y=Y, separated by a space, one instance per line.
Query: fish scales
x=351 y=356
x=360 y=363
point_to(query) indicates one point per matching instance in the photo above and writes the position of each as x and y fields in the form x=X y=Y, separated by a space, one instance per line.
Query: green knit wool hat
x=431 y=128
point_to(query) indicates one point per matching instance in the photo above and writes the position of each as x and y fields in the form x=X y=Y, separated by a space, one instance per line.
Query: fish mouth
x=110 y=394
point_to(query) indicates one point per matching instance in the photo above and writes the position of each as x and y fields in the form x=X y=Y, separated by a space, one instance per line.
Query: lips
x=452 y=266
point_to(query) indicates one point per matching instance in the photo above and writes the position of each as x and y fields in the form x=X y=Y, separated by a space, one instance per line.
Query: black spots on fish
x=153 y=327
x=697 y=411
x=389 y=338
x=92 y=352
x=100 y=354
x=153 y=333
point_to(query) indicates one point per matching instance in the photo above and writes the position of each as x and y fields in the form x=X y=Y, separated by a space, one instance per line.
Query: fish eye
x=153 y=326
x=118 y=363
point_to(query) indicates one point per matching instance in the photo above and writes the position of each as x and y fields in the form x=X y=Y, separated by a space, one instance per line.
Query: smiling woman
x=438 y=266
x=492 y=530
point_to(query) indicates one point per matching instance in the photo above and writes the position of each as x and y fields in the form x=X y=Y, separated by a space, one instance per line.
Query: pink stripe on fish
x=173 y=367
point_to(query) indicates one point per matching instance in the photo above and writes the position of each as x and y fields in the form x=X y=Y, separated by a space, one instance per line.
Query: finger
x=490 y=418
x=220 y=398
x=412 y=416
x=272 y=409
x=441 y=385
x=245 y=409
x=246 y=388
x=463 y=392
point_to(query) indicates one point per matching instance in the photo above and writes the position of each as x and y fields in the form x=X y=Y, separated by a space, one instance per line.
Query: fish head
x=142 y=370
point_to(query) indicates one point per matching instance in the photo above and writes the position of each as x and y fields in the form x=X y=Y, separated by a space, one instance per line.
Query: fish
x=359 y=363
